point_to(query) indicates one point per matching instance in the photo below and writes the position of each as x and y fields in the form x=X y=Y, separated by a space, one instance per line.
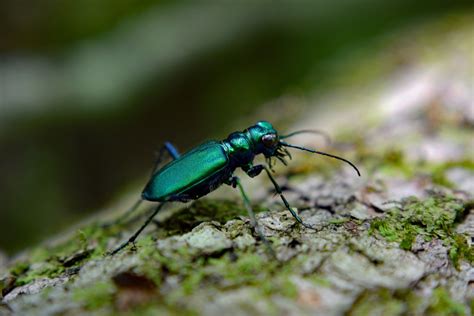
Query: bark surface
x=396 y=241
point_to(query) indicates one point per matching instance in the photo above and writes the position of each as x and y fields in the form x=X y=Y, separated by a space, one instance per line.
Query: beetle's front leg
x=253 y=171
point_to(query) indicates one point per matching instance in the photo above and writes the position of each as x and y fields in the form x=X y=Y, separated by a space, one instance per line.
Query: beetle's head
x=264 y=138
x=266 y=141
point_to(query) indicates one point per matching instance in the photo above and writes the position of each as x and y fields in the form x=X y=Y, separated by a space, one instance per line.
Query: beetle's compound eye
x=269 y=140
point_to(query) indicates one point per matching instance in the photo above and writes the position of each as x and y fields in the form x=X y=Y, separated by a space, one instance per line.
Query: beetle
x=206 y=167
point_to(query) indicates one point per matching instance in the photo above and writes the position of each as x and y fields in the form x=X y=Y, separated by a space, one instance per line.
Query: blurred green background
x=89 y=89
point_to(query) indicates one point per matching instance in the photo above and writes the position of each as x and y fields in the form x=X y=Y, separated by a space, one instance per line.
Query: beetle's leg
x=134 y=236
x=253 y=171
x=232 y=182
x=278 y=190
x=170 y=149
x=253 y=220
x=173 y=152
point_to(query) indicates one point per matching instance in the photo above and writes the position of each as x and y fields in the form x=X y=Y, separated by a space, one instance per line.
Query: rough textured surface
x=396 y=241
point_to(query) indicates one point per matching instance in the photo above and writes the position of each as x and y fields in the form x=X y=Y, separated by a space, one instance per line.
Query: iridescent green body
x=209 y=165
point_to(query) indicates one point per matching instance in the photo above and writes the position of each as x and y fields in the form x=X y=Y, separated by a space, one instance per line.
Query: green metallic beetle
x=206 y=167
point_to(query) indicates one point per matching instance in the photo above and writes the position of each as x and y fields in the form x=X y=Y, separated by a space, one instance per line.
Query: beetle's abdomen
x=187 y=171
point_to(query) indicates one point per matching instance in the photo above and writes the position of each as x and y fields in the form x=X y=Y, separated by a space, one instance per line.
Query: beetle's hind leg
x=166 y=148
x=170 y=149
x=132 y=239
x=235 y=182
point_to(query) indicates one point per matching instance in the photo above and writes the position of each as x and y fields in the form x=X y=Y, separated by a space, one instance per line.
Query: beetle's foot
x=233 y=181
x=122 y=246
x=310 y=226
x=117 y=250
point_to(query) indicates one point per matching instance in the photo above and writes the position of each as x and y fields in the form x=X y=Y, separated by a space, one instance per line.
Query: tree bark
x=395 y=241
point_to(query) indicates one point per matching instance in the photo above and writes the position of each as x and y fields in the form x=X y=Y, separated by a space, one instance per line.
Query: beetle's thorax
x=240 y=148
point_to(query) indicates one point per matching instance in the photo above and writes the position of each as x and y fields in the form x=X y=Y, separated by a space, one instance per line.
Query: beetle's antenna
x=320 y=153
x=327 y=138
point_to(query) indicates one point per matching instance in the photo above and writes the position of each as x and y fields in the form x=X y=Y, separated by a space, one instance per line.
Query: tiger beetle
x=206 y=167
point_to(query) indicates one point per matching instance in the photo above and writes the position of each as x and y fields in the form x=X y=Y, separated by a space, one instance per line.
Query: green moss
x=404 y=302
x=203 y=210
x=153 y=309
x=431 y=218
x=96 y=237
x=254 y=270
x=442 y=304
x=228 y=272
x=461 y=250
x=179 y=262
x=245 y=270
x=98 y=295
x=380 y=302
x=19 y=268
x=45 y=270
x=408 y=239
x=393 y=162
x=438 y=172
x=320 y=280
x=26 y=272
x=151 y=259
x=50 y=262
x=193 y=282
